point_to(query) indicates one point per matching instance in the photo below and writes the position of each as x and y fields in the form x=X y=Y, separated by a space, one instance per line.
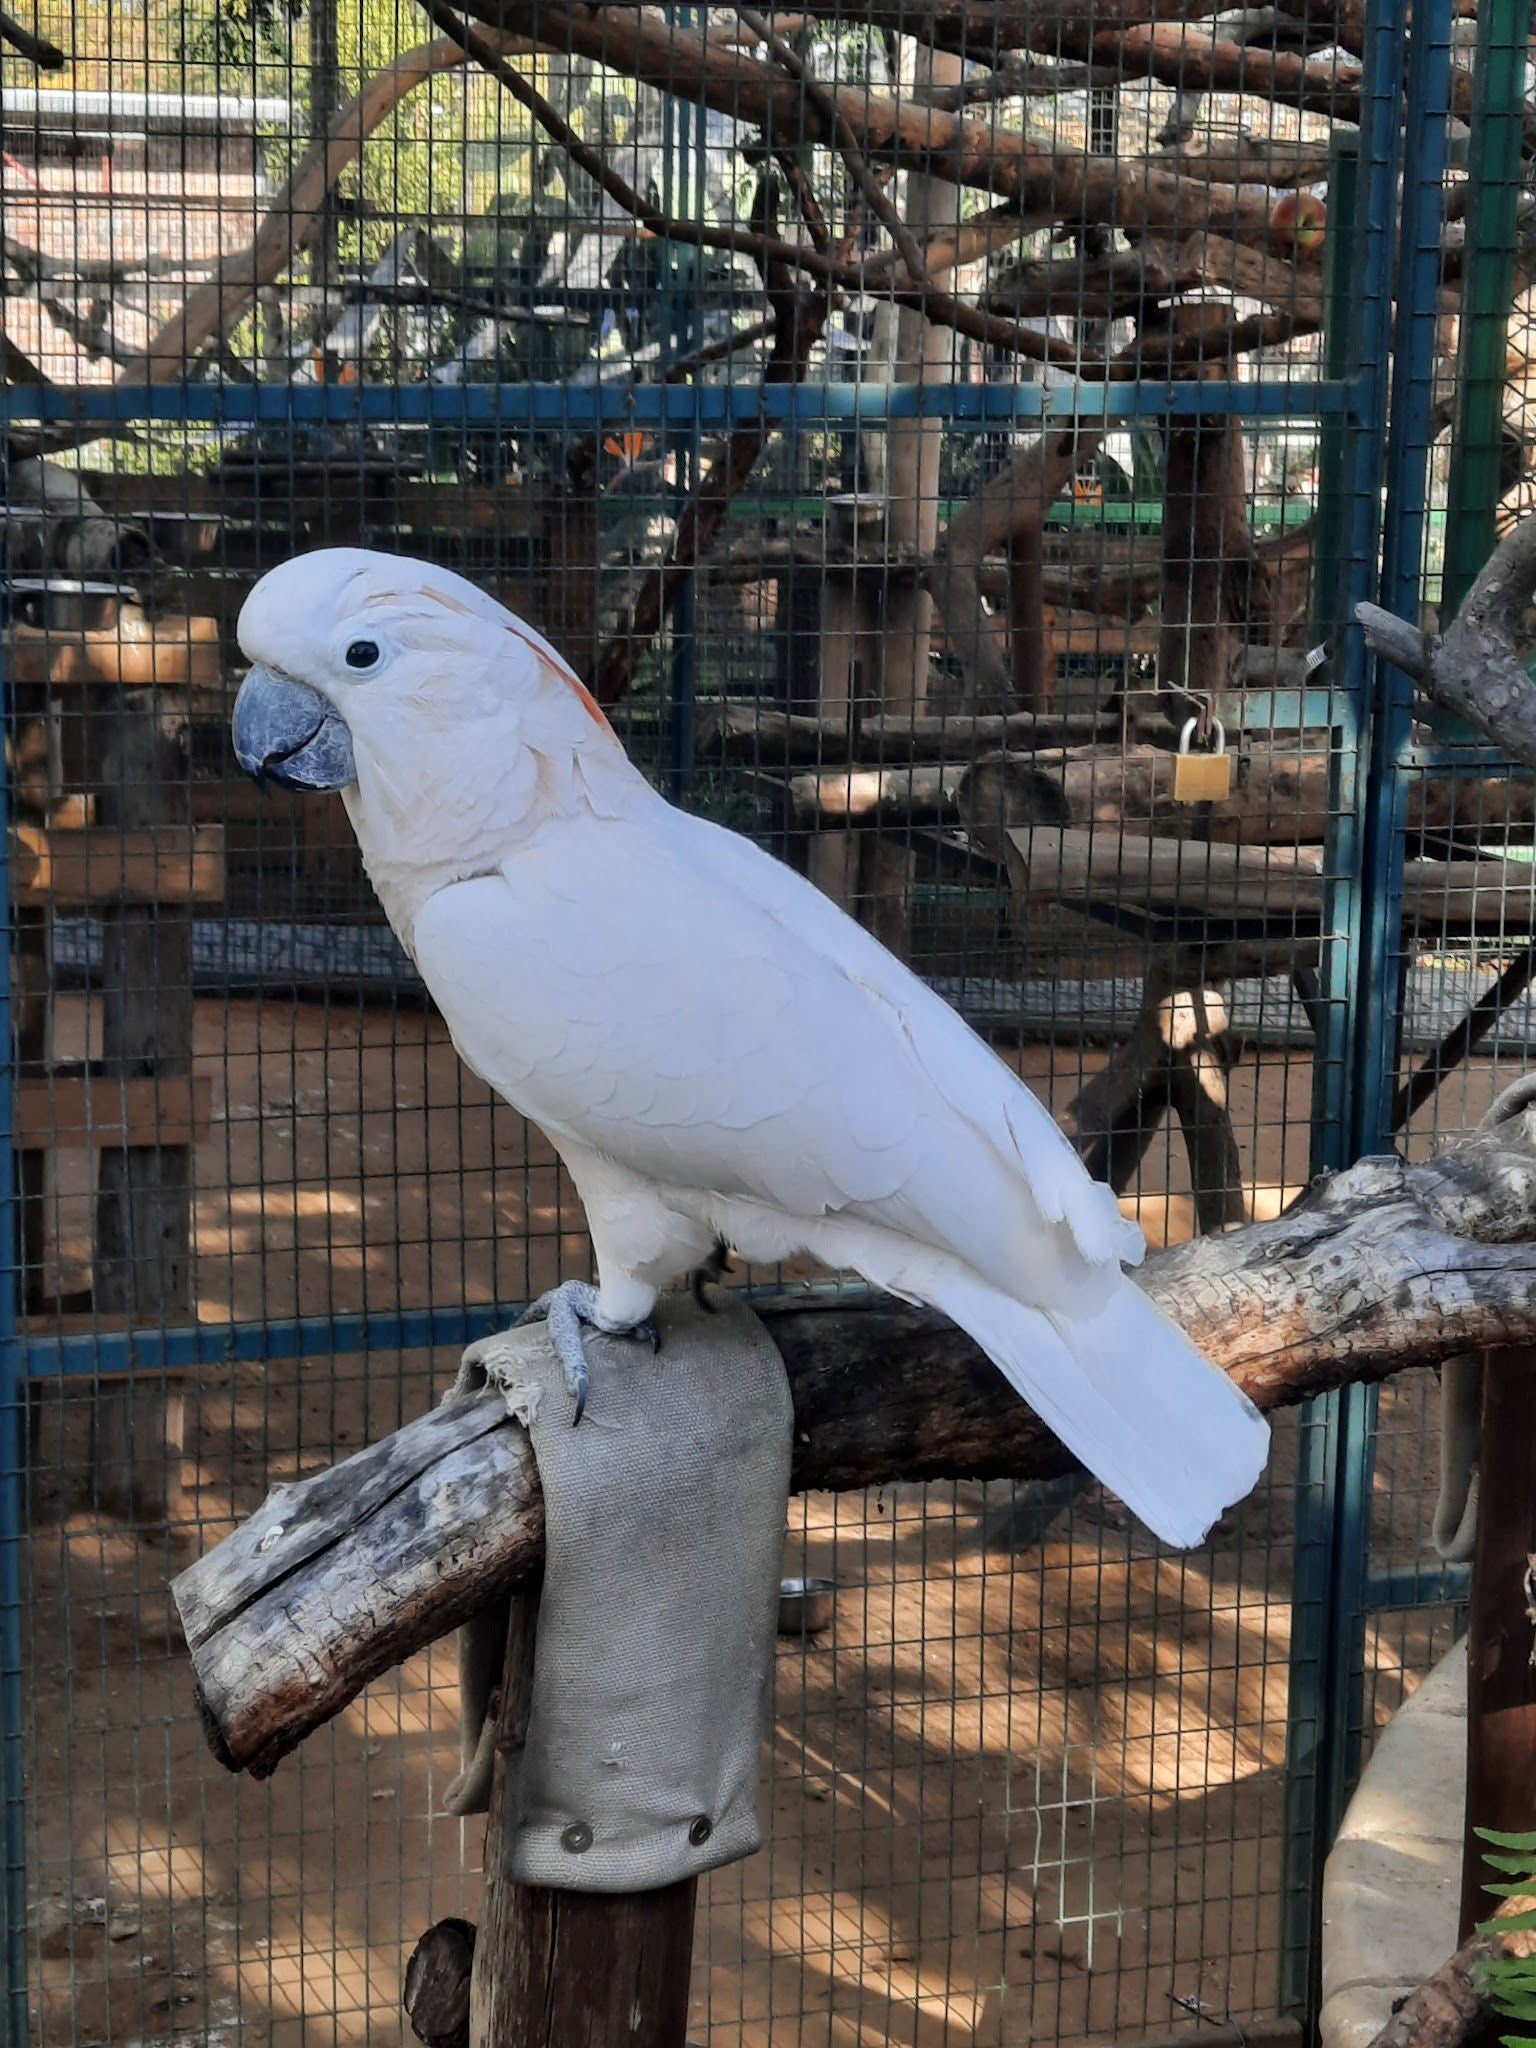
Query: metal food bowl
x=65 y=604
x=805 y=1606
x=181 y=536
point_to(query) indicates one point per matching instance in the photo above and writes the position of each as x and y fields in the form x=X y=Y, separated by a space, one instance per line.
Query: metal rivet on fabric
x=700 y=1831
x=577 y=1837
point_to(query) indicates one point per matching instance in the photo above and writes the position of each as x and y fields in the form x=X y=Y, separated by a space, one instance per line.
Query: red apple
x=1299 y=221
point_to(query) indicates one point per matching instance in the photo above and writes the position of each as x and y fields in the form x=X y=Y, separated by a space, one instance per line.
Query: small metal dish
x=59 y=604
x=181 y=536
x=805 y=1606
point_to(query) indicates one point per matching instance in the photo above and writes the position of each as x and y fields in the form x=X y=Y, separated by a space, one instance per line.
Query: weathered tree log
x=1476 y=668
x=340 y=1576
x=1452 y=2006
x=436 y=1996
x=1118 y=286
x=1281 y=885
x=1281 y=795
x=1205 y=532
x=747 y=730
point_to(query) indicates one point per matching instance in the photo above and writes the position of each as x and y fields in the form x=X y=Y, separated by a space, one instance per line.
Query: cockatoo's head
x=350 y=649
x=448 y=724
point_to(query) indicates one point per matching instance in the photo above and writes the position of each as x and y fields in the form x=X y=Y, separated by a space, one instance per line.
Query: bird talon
x=569 y=1312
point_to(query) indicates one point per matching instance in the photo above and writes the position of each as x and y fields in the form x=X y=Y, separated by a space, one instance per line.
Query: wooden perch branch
x=1451 y=2007
x=338 y=1577
x=1011 y=506
x=45 y=55
x=1476 y=668
x=1054 y=185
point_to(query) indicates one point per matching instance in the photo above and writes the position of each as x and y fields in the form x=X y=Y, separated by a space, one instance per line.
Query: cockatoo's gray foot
x=567 y=1311
x=713 y=1269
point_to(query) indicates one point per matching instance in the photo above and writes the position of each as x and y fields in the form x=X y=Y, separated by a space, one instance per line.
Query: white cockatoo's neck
x=428 y=813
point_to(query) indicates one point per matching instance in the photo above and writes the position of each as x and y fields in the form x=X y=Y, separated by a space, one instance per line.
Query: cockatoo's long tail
x=1128 y=1393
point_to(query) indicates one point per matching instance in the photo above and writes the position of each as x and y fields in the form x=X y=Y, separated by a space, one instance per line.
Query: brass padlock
x=1202 y=778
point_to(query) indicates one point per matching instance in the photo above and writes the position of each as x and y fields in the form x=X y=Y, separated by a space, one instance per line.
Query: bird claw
x=568 y=1312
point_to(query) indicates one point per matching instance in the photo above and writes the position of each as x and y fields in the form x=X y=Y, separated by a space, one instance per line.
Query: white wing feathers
x=663 y=993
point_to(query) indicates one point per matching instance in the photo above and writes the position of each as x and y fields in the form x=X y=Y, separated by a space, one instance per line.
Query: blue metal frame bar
x=195 y=1344
x=1381 y=799
x=1380 y=550
x=1445 y=1585
x=703 y=405
x=13 y=1785
x=1380 y=806
x=1314 y=1548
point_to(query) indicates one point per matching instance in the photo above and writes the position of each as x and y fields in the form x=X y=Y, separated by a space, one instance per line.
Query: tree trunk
x=1501 y=1627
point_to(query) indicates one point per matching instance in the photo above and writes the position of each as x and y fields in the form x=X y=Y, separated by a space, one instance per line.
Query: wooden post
x=1204 y=536
x=559 y=1969
x=1172 y=1060
x=914 y=446
x=1034 y=666
x=142 y=1252
x=1501 y=1635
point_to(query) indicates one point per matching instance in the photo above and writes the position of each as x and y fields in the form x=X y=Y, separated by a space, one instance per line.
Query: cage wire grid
x=937 y=646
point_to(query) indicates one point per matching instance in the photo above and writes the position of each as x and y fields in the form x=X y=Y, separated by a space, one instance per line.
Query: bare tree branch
x=1009 y=505
x=874 y=194
x=1051 y=185
x=798 y=319
x=45 y=55
x=1476 y=668
x=211 y=310
x=33 y=267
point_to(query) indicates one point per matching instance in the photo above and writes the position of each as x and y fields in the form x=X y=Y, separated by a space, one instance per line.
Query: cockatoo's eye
x=362 y=655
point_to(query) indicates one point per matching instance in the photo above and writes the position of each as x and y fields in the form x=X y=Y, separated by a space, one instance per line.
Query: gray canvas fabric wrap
x=653 y=1656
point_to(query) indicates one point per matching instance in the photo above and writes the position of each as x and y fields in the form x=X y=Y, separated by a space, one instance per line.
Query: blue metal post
x=1357 y=1064
x=13 y=1811
x=1317 y=1455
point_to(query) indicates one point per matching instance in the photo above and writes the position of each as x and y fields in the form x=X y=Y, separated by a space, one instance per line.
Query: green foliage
x=1509 y=1982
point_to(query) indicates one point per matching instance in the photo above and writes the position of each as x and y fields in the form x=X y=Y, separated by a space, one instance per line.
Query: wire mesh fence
x=947 y=450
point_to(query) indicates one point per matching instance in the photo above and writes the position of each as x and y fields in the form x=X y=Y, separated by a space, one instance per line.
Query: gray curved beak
x=288 y=733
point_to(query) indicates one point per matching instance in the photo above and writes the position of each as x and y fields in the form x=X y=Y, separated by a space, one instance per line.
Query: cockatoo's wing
x=663 y=993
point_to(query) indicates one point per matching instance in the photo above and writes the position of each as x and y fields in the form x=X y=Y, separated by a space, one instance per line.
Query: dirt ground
x=1015 y=1795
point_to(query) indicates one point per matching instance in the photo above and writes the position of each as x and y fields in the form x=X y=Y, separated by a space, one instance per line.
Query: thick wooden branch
x=337 y=1578
x=1052 y=185
x=1452 y=2006
x=1282 y=797
x=1476 y=668
x=211 y=310
x=1009 y=506
x=45 y=55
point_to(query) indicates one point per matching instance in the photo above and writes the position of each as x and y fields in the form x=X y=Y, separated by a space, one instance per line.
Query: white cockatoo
x=718 y=1054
